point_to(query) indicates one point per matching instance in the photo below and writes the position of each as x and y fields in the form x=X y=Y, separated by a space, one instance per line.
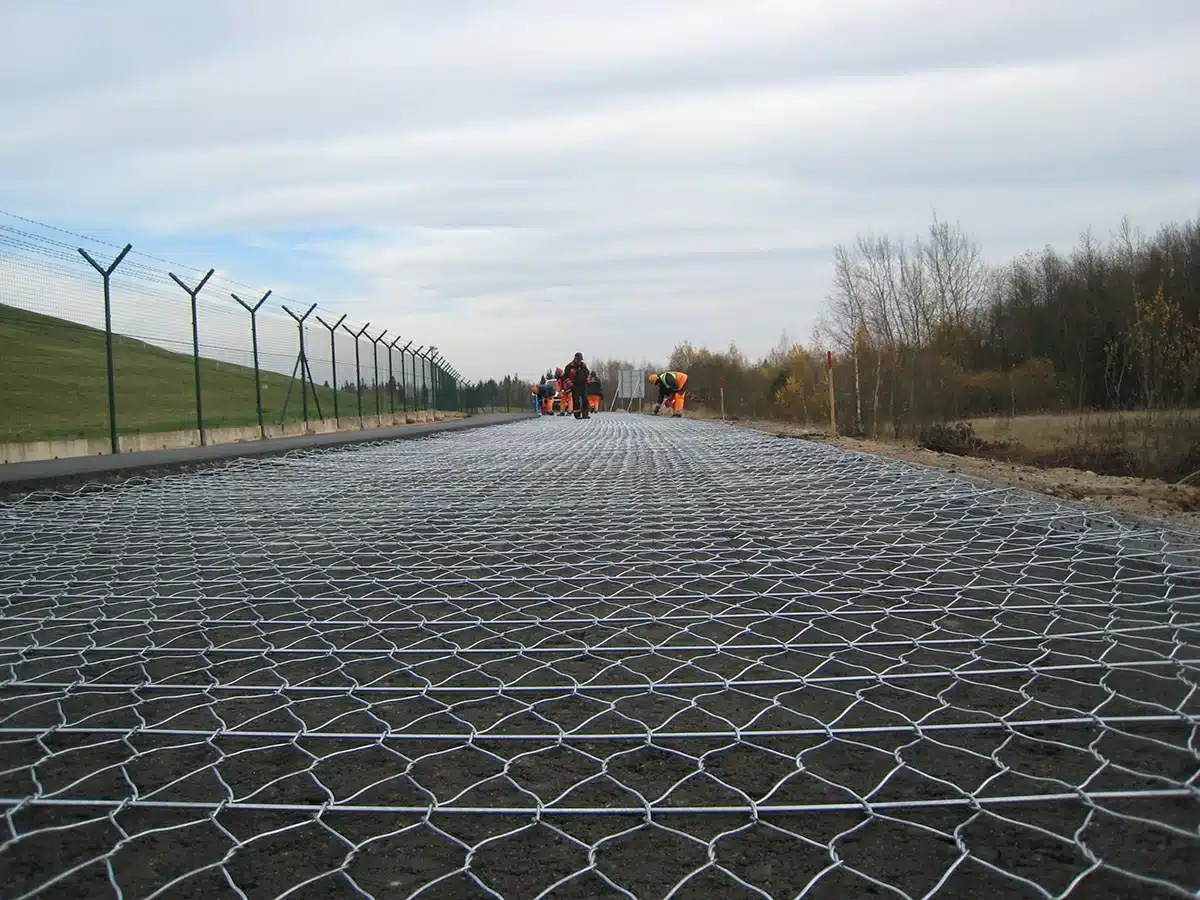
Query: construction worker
x=536 y=391
x=670 y=391
x=546 y=394
x=595 y=391
x=576 y=376
x=563 y=392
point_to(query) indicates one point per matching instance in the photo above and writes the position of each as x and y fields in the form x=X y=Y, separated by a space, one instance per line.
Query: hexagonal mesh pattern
x=617 y=658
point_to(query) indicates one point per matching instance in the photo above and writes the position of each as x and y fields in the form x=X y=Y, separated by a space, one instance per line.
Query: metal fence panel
x=48 y=288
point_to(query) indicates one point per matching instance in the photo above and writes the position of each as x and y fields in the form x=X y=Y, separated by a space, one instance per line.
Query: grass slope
x=53 y=385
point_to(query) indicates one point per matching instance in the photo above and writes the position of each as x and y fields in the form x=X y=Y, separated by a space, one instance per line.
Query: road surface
x=611 y=658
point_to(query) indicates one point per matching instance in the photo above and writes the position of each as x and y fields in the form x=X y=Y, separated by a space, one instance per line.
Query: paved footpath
x=627 y=657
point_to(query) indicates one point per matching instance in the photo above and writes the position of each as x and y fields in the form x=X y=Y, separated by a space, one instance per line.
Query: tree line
x=509 y=392
x=925 y=330
x=932 y=332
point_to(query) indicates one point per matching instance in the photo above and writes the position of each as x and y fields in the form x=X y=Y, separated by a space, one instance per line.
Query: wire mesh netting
x=625 y=657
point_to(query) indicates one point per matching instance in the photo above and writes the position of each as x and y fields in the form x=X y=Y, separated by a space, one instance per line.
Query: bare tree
x=879 y=278
x=958 y=273
x=847 y=308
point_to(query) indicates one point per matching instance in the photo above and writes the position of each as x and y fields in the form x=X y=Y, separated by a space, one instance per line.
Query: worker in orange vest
x=595 y=392
x=670 y=391
x=564 y=392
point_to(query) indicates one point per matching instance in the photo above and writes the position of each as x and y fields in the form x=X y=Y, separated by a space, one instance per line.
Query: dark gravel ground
x=720 y=664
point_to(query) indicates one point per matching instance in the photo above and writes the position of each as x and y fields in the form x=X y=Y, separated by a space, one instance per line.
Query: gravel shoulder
x=1137 y=497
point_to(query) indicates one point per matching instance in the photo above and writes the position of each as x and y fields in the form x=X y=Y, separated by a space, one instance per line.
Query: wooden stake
x=832 y=406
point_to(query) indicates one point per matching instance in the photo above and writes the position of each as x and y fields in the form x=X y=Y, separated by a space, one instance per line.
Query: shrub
x=958 y=438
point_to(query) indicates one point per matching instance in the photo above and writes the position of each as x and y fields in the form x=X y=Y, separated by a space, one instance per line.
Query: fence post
x=253 y=310
x=722 y=398
x=415 y=354
x=431 y=385
x=404 y=377
x=333 y=359
x=106 y=274
x=433 y=379
x=392 y=376
x=832 y=404
x=357 y=366
x=192 y=292
x=424 y=386
x=375 y=365
x=302 y=362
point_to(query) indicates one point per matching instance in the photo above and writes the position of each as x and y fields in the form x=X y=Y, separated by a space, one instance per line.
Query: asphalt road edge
x=18 y=480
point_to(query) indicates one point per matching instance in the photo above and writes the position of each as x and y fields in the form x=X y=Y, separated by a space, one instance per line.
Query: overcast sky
x=513 y=181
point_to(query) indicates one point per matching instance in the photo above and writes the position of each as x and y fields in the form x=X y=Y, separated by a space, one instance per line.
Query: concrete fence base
x=32 y=451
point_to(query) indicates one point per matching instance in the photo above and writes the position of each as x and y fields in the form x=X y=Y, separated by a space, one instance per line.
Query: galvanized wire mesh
x=625 y=657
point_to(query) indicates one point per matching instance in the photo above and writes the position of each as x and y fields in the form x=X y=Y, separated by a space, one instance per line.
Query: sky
x=514 y=181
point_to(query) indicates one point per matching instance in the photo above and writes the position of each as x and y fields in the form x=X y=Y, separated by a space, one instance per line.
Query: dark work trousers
x=579 y=401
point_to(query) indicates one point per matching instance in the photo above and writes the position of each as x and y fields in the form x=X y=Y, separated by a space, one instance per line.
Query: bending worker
x=563 y=392
x=595 y=391
x=670 y=391
x=549 y=388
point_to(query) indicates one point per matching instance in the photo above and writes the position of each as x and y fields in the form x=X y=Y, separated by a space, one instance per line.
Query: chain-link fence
x=167 y=375
x=705 y=662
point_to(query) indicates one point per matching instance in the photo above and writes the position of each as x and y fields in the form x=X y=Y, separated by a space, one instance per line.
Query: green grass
x=53 y=385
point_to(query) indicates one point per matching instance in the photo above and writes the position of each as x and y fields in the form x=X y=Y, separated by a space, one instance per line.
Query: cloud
x=512 y=179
